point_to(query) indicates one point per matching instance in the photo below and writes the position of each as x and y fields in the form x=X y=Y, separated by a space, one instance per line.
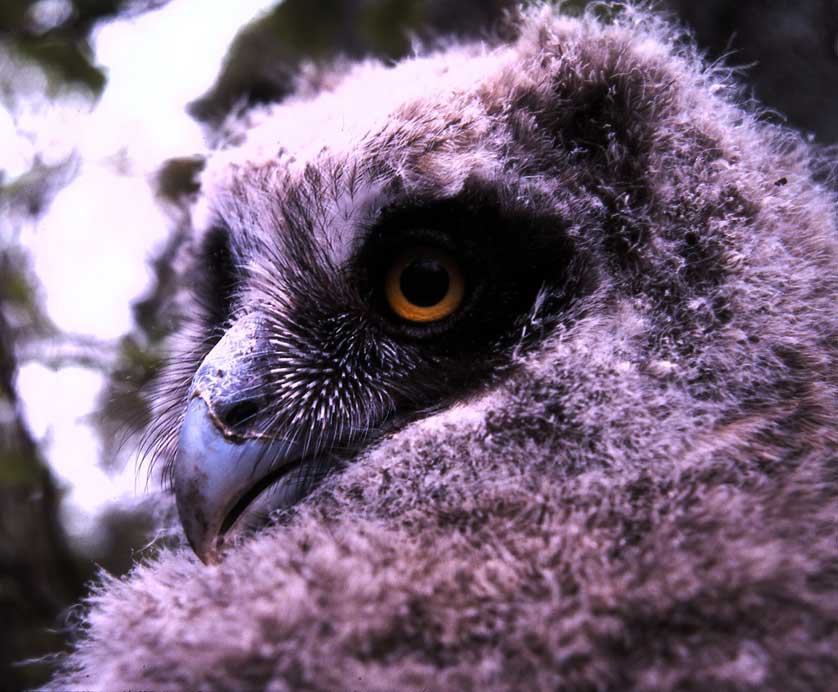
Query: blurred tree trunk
x=39 y=578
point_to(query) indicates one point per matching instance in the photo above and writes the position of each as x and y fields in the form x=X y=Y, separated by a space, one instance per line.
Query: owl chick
x=526 y=352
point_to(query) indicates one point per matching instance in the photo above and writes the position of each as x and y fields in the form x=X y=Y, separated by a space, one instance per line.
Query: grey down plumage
x=639 y=491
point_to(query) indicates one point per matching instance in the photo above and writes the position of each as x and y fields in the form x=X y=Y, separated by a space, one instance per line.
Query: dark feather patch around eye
x=508 y=252
x=216 y=280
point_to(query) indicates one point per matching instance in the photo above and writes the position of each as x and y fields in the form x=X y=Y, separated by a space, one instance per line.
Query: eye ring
x=424 y=285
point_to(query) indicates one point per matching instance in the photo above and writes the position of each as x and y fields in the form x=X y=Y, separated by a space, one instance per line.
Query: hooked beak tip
x=202 y=536
x=215 y=478
x=209 y=556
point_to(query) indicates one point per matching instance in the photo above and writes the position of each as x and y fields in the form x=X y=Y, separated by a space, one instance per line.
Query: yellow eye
x=424 y=285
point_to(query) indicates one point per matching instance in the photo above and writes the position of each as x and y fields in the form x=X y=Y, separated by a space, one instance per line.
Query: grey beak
x=223 y=462
x=215 y=477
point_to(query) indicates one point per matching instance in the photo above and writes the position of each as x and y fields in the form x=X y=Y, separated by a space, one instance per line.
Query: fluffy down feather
x=646 y=500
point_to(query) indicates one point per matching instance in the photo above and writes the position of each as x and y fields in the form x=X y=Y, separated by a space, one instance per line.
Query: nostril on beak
x=228 y=380
x=237 y=416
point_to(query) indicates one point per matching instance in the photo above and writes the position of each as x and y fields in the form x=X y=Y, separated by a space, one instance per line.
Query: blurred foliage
x=55 y=34
x=38 y=575
x=790 y=50
x=266 y=55
x=793 y=48
x=29 y=194
x=41 y=573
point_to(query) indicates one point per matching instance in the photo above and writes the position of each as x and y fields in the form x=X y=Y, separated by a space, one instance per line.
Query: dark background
x=788 y=52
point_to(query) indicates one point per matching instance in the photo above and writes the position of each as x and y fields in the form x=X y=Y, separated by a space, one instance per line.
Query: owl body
x=612 y=466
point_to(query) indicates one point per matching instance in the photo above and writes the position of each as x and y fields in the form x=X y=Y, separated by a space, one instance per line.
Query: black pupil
x=424 y=282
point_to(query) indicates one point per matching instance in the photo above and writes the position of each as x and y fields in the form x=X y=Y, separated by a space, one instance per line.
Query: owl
x=511 y=365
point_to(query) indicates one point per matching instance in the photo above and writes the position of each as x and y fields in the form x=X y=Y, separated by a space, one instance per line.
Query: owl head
x=520 y=260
